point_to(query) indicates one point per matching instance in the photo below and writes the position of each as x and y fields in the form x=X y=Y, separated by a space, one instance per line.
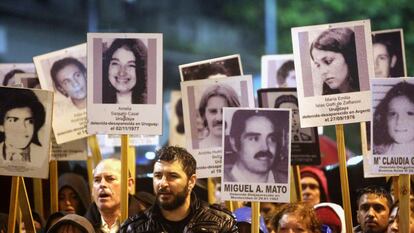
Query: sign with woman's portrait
x=333 y=65
x=203 y=102
x=392 y=127
x=25 y=130
x=125 y=88
x=212 y=68
x=64 y=72
x=305 y=141
x=278 y=71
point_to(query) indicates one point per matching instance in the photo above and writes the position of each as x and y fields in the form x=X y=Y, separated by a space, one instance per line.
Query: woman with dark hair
x=394 y=121
x=334 y=57
x=124 y=72
x=285 y=76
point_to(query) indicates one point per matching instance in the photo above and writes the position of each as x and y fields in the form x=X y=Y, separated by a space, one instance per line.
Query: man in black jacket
x=177 y=208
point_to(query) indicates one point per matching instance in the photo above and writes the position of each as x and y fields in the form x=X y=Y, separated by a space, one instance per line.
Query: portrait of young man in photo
x=21 y=117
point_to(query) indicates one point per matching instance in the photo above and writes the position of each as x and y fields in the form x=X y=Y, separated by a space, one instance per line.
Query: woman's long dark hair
x=381 y=135
x=339 y=40
x=139 y=91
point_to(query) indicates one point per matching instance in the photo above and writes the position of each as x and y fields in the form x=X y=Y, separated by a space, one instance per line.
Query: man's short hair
x=10 y=75
x=303 y=212
x=176 y=153
x=376 y=190
x=285 y=99
x=238 y=125
x=20 y=98
x=62 y=63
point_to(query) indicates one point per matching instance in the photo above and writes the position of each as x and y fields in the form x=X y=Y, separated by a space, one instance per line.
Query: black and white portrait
x=333 y=62
x=25 y=125
x=389 y=54
x=64 y=72
x=28 y=80
x=305 y=143
x=126 y=83
x=278 y=71
x=8 y=72
x=213 y=68
x=259 y=141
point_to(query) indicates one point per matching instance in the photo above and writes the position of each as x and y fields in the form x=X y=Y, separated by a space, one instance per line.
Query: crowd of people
x=175 y=207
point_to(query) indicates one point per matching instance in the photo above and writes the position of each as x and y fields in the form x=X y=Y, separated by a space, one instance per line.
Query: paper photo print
x=25 y=130
x=305 y=141
x=256 y=154
x=333 y=65
x=70 y=151
x=392 y=125
x=125 y=88
x=203 y=102
x=278 y=71
x=27 y=80
x=389 y=53
x=177 y=136
x=213 y=68
x=9 y=71
x=64 y=73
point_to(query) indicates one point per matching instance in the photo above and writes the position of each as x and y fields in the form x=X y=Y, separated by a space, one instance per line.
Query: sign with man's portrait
x=256 y=157
x=176 y=117
x=392 y=126
x=25 y=130
x=125 y=88
x=305 y=141
x=64 y=72
x=203 y=102
x=212 y=68
x=8 y=72
x=278 y=71
x=27 y=80
x=389 y=53
x=333 y=64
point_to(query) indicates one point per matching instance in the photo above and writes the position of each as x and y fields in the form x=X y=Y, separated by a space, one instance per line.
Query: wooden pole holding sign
x=53 y=186
x=297 y=188
x=96 y=152
x=38 y=196
x=89 y=168
x=404 y=205
x=124 y=177
x=132 y=166
x=255 y=217
x=210 y=191
x=18 y=196
x=346 y=203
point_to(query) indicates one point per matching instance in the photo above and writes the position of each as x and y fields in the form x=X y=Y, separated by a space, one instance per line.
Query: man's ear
x=233 y=144
x=192 y=181
x=1 y=128
x=130 y=184
x=393 y=61
x=358 y=216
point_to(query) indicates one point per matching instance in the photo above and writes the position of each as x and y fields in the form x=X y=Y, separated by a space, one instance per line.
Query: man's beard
x=177 y=201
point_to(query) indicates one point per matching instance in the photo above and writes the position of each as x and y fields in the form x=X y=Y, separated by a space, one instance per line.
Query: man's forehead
x=19 y=111
x=252 y=122
x=175 y=166
x=108 y=167
x=372 y=198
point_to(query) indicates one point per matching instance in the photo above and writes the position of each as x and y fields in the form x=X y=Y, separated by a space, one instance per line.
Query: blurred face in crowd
x=68 y=200
x=290 y=223
x=311 y=193
x=373 y=213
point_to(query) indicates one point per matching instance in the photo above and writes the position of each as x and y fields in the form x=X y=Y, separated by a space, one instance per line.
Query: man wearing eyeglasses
x=314 y=186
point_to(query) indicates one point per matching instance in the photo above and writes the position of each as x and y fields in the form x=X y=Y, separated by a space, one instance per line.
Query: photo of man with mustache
x=257 y=142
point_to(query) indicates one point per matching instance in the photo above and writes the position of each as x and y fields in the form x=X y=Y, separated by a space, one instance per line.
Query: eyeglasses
x=310 y=186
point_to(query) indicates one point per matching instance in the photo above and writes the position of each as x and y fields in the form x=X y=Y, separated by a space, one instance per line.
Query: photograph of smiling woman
x=393 y=126
x=334 y=58
x=124 y=71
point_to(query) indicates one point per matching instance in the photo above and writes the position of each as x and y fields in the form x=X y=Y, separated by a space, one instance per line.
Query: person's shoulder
x=134 y=222
x=218 y=211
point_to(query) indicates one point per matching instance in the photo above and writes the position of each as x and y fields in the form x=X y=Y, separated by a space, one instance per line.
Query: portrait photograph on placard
x=389 y=53
x=176 y=116
x=305 y=141
x=392 y=128
x=9 y=71
x=333 y=65
x=125 y=91
x=213 y=68
x=25 y=130
x=70 y=151
x=278 y=71
x=64 y=73
x=27 y=80
x=256 y=144
x=203 y=102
